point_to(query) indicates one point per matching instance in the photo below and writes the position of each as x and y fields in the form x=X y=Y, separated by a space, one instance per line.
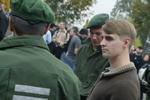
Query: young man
x=89 y=60
x=119 y=81
x=27 y=69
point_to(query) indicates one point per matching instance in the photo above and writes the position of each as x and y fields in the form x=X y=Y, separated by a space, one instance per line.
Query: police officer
x=27 y=70
x=90 y=62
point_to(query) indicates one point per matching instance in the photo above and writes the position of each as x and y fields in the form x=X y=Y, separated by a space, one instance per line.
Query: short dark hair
x=24 y=27
x=84 y=31
x=75 y=29
x=95 y=27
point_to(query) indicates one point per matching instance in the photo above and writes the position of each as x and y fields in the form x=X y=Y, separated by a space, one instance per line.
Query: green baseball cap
x=98 y=20
x=32 y=10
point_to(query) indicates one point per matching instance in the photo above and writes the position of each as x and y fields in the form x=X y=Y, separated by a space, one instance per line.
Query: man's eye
x=98 y=33
x=109 y=38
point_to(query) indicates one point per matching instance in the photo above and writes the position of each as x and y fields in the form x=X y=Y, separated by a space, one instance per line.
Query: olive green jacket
x=89 y=65
x=29 y=72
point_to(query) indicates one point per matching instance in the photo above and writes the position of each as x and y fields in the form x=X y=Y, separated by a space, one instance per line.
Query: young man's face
x=95 y=35
x=112 y=45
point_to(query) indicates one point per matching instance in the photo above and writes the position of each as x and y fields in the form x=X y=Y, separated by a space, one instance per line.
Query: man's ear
x=126 y=42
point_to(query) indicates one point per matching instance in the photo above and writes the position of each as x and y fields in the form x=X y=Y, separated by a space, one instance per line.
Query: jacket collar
x=23 y=41
x=118 y=70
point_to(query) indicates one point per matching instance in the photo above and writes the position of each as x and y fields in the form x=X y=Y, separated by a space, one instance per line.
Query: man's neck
x=119 y=61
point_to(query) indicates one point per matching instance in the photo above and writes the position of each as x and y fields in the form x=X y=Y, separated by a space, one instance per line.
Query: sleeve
x=77 y=42
x=49 y=37
x=77 y=64
x=125 y=90
x=69 y=88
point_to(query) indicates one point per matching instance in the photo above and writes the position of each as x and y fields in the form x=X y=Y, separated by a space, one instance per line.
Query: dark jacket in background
x=137 y=60
x=3 y=25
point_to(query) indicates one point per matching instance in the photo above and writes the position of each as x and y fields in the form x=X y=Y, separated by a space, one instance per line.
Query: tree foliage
x=138 y=11
x=70 y=10
x=122 y=8
x=141 y=17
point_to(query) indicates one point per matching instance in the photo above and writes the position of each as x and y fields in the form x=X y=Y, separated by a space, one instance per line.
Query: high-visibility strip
x=17 y=97
x=32 y=89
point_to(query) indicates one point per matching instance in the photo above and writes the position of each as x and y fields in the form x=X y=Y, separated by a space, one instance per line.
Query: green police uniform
x=27 y=70
x=90 y=63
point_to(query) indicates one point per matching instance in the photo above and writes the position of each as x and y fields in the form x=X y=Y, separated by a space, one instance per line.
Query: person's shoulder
x=86 y=46
x=66 y=75
x=126 y=84
x=74 y=37
x=82 y=49
x=63 y=70
x=126 y=88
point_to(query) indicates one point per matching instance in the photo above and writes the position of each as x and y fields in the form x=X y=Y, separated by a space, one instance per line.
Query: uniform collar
x=32 y=40
x=96 y=50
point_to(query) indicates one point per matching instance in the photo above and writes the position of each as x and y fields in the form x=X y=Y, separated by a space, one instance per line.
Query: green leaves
x=141 y=17
x=70 y=10
x=138 y=11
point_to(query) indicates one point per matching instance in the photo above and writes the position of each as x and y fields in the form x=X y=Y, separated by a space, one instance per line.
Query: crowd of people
x=41 y=60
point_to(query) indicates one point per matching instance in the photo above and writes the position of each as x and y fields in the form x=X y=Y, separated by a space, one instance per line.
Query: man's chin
x=96 y=45
x=105 y=56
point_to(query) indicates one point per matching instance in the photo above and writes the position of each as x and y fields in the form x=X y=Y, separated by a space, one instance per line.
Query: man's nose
x=102 y=43
x=94 y=36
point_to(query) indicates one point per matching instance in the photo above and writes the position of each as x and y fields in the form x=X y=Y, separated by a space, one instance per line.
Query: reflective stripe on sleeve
x=17 y=97
x=32 y=89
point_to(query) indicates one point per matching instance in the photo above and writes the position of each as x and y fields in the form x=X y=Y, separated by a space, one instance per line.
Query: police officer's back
x=27 y=70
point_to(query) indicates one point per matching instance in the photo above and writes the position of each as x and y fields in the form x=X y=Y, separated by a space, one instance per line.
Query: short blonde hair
x=121 y=27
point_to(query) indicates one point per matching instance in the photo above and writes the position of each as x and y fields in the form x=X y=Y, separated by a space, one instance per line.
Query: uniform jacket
x=29 y=72
x=89 y=65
